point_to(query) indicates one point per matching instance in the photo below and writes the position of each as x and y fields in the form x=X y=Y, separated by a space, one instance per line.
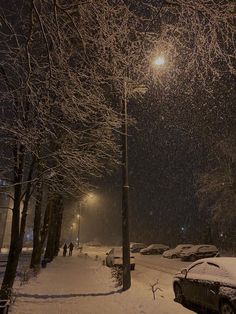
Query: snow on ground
x=81 y=284
x=23 y=265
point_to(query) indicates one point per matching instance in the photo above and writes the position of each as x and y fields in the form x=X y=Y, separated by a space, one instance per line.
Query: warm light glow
x=78 y=216
x=90 y=195
x=159 y=61
x=91 y=198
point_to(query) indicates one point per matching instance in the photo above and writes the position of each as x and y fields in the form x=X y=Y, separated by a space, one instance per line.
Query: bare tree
x=68 y=132
x=216 y=187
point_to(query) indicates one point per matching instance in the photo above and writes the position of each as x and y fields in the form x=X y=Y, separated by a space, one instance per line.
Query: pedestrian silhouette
x=64 y=249
x=71 y=247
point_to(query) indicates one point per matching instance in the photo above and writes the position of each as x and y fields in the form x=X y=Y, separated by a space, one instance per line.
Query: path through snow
x=82 y=285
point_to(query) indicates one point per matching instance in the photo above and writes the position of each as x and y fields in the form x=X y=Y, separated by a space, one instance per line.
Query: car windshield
x=183 y=247
x=154 y=246
x=137 y=244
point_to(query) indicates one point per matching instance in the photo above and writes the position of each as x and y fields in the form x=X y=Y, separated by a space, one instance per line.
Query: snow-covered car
x=175 y=253
x=208 y=284
x=154 y=249
x=114 y=258
x=136 y=247
x=199 y=251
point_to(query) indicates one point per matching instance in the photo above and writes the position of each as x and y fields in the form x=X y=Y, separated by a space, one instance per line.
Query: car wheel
x=226 y=308
x=178 y=293
x=174 y=256
x=193 y=258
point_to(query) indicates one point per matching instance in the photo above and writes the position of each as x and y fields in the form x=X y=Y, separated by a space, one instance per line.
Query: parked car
x=199 y=251
x=136 y=247
x=154 y=249
x=208 y=284
x=175 y=253
x=114 y=258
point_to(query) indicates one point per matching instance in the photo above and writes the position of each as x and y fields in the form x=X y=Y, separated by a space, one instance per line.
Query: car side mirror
x=184 y=272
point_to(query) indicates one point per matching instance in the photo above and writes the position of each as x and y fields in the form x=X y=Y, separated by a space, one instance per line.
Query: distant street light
x=87 y=198
x=90 y=195
x=78 y=219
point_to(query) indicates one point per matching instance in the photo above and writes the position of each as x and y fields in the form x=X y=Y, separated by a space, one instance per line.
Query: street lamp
x=87 y=198
x=158 y=61
x=78 y=216
x=125 y=196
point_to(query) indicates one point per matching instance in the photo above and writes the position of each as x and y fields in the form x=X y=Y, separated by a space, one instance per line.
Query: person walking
x=71 y=247
x=64 y=249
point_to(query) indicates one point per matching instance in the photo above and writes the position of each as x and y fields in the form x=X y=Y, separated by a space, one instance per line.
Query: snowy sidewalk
x=81 y=285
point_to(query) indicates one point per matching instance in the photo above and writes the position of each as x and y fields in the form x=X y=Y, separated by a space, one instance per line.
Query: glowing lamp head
x=159 y=61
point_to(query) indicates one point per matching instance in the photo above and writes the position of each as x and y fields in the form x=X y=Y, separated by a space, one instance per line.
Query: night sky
x=168 y=147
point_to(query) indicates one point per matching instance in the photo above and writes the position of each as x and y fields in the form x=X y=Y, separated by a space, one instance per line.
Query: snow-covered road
x=157 y=262
x=153 y=262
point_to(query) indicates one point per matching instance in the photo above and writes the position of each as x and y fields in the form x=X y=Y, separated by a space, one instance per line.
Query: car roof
x=226 y=263
x=195 y=247
x=158 y=245
x=184 y=245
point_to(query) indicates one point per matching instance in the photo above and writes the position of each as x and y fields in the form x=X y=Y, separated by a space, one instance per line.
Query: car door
x=181 y=250
x=191 y=285
x=206 y=251
x=152 y=251
x=202 y=252
x=209 y=252
x=212 y=278
x=156 y=250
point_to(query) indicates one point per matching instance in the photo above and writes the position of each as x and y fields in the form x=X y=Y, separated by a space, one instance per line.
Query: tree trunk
x=34 y=263
x=14 y=251
x=38 y=245
x=50 y=248
x=28 y=193
x=58 y=228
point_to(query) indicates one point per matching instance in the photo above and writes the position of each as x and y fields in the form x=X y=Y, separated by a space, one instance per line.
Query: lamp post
x=84 y=200
x=158 y=61
x=125 y=183
x=79 y=227
x=125 y=196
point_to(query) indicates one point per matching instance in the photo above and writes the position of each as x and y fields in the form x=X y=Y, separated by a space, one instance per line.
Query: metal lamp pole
x=79 y=225
x=159 y=61
x=78 y=241
x=125 y=196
